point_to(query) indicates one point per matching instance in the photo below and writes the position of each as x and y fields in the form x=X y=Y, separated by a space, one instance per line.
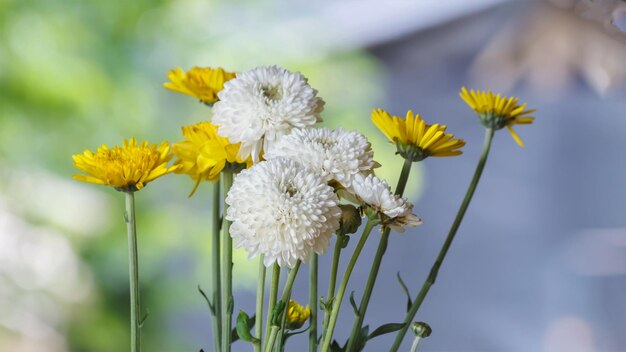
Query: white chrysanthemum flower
x=282 y=210
x=335 y=154
x=395 y=212
x=260 y=106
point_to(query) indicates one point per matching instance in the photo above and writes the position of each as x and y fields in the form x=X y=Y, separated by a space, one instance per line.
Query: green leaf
x=243 y=327
x=344 y=240
x=208 y=301
x=409 y=302
x=278 y=310
x=334 y=347
x=385 y=329
x=353 y=304
x=289 y=334
x=143 y=320
x=361 y=339
x=233 y=334
x=327 y=305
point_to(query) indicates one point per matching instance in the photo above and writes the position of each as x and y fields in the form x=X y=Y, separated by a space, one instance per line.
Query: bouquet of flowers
x=284 y=190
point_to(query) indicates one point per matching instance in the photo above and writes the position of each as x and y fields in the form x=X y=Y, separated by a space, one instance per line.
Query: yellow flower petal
x=204 y=154
x=200 y=82
x=413 y=132
x=497 y=111
x=126 y=168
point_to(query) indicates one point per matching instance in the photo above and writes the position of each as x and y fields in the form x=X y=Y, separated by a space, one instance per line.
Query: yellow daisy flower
x=496 y=111
x=415 y=139
x=297 y=315
x=203 y=154
x=128 y=168
x=201 y=82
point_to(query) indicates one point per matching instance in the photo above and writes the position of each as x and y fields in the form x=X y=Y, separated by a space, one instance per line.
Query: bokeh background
x=539 y=263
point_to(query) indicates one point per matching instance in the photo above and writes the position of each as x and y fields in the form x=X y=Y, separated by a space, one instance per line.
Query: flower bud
x=421 y=329
x=350 y=219
x=297 y=315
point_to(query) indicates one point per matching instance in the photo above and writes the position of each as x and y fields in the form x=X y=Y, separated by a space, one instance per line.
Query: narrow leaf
x=144 y=318
x=289 y=334
x=353 y=304
x=409 y=302
x=385 y=329
x=208 y=301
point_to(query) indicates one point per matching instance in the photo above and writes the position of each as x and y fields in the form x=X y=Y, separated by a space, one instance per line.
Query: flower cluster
x=287 y=187
x=284 y=206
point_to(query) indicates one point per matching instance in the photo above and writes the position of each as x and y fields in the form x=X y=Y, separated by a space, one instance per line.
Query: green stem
x=285 y=298
x=404 y=177
x=271 y=337
x=313 y=297
x=133 y=271
x=272 y=300
x=380 y=252
x=260 y=293
x=333 y=280
x=215 y=267
x=432 y=276
x=344 y=285
x=415 y=343
x=227 y=269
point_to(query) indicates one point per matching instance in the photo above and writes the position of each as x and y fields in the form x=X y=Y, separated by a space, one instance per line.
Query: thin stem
x=415 y=343
x=260 y=293
x=215 y=267
x=313 y=297
x=344 y=285
x=271 y=337
x=133 y=271
x=380 y=252
x=432 y=276
x=404 y=176
x=333 y=280
x=272 y=300
x=227 y=269
x=285 y=299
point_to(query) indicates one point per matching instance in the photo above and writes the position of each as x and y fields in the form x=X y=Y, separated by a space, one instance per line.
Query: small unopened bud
x=296 y=315
x=350 y=219
x=421 y=329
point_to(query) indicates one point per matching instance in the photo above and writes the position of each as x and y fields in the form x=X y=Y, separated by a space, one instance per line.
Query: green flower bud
x=350 y=219
x=421 y=329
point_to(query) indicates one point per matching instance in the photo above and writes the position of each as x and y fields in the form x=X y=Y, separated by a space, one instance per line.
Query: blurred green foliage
x=77 y=74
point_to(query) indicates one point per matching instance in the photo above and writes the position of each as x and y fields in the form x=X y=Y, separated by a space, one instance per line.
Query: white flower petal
x=261 y=105
x=376 y=194
x=335 y=154
x=282 y=210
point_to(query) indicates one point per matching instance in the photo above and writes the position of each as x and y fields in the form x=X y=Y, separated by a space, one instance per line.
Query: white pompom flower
x=336 y=154
x=282 y=210
x=394 y=211
x=261 y=105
